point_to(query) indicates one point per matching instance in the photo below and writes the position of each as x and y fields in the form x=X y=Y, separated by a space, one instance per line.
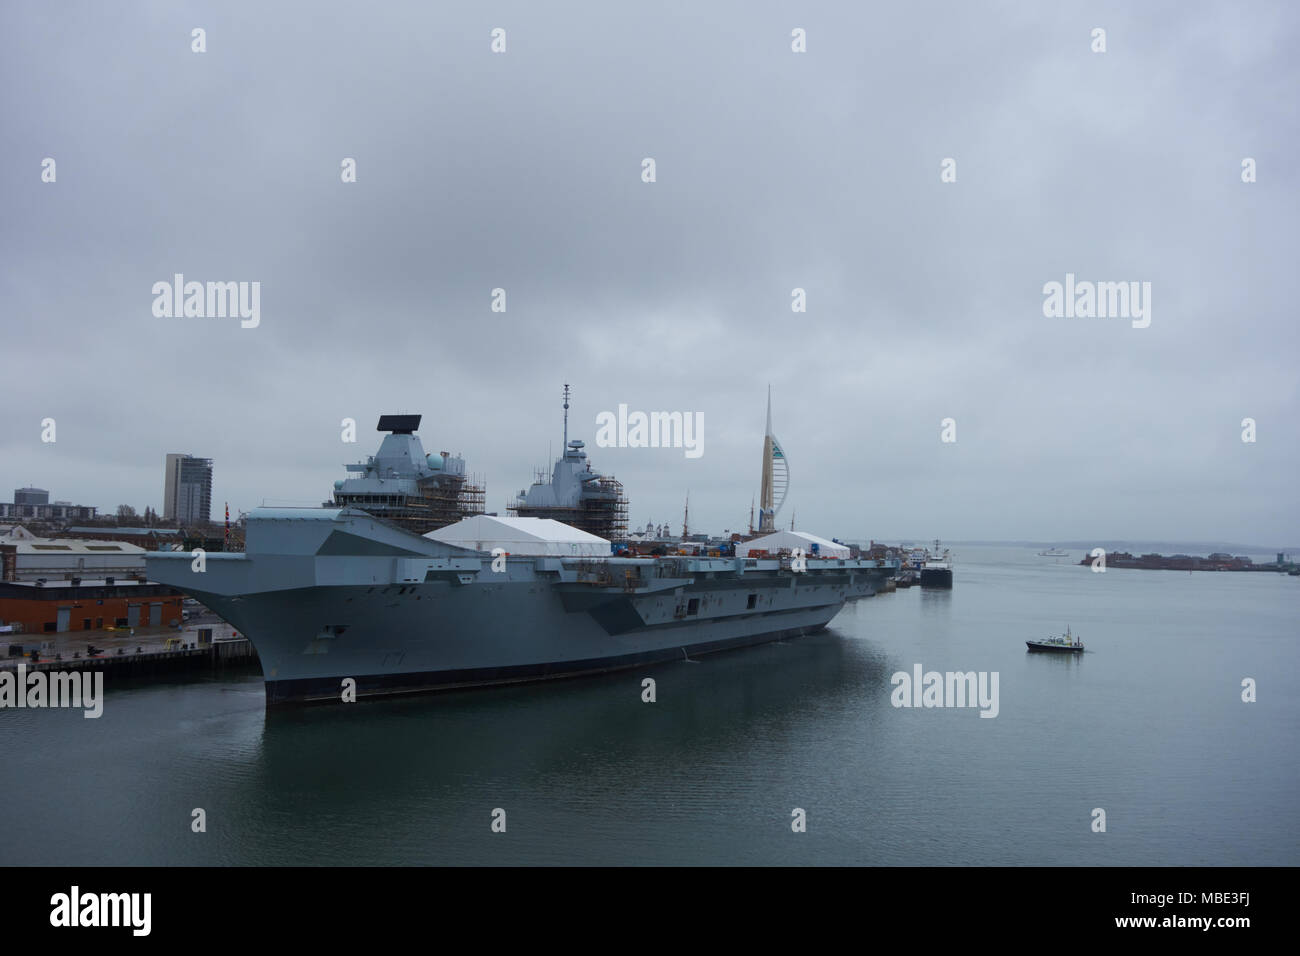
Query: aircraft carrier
x=327 y=594
x=384 y=586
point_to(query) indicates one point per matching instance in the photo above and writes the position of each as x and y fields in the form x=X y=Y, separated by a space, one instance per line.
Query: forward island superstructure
x=406 y=487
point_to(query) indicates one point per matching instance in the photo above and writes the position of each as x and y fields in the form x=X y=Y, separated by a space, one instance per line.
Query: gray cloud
x=775 y=171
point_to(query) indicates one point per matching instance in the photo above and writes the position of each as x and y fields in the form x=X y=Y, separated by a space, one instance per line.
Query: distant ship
x=1069 y=644
x=1053 y=553
x=936 y=572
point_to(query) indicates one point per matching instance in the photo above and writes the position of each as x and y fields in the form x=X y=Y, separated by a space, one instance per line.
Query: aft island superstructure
x=575 y=493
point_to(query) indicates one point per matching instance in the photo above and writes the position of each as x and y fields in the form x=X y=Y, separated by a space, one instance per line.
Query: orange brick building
x=88 y=606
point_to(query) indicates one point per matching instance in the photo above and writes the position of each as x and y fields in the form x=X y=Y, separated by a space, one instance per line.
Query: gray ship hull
x=328 y=595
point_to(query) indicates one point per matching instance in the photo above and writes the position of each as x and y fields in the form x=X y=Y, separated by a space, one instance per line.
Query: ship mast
x=564 y=449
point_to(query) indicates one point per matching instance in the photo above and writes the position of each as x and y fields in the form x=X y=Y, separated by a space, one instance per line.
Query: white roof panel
x=531 y=536
x=789 y=540
x=74 y=546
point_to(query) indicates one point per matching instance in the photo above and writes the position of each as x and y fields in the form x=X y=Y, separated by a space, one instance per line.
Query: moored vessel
x=936 y=572
x=328 y=595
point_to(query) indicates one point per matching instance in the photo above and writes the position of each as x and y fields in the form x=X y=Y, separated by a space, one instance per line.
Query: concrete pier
x=130 y=653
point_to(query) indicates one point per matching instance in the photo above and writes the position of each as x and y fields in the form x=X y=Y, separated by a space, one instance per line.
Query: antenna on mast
x=686 y=517
x=565 y=449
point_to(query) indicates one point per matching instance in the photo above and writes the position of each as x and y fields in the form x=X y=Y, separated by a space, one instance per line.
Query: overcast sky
x=775 y=170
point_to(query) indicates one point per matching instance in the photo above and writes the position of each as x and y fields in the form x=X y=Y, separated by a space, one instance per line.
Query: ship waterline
x=331 y=594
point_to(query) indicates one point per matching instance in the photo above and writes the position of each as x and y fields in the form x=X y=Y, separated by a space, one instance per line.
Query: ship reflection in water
x=581 y=767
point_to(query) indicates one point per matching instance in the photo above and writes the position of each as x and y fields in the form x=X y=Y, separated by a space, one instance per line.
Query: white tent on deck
x=788 y=541
x=529 y=536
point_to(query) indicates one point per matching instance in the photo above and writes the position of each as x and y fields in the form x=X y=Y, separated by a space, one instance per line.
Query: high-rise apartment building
x=187 y=494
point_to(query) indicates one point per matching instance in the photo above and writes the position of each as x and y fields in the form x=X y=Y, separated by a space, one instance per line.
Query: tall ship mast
x=405 y=487
x=575 y=494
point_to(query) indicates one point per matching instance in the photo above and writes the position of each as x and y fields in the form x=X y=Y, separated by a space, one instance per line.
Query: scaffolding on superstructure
x=602 y=510
x=440 y=501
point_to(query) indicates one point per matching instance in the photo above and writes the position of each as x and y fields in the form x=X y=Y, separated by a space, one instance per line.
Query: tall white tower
x=776 y=476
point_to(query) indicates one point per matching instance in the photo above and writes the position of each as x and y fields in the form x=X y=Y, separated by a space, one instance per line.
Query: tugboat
x=1069 y=644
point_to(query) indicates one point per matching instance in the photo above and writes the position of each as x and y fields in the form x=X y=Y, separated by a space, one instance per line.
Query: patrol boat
x=1069 y=644
x=332 y=594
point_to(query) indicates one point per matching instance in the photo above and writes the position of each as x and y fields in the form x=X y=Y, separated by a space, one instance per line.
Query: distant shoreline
x=1208 y=547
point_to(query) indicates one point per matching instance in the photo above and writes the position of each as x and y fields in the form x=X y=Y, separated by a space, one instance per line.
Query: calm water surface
x=1149 y=725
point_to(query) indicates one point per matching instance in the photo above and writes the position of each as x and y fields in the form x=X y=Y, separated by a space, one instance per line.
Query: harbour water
x=1148 y=725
